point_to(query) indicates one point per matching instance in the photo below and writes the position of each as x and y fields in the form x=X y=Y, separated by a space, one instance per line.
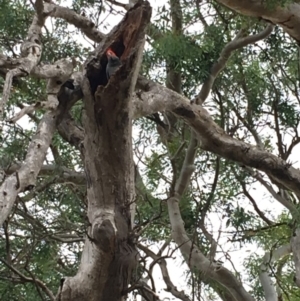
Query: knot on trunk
x=104 y=236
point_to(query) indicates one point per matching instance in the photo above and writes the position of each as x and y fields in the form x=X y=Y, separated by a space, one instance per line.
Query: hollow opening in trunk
x=97 y=71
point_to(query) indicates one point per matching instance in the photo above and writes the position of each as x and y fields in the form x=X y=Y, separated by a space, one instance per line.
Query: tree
x=203 y=110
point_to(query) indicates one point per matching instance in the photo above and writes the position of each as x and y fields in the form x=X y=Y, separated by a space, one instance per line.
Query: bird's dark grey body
x=113 y=64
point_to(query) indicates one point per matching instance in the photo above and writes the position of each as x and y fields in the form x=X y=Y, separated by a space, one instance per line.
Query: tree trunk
x=109 y=254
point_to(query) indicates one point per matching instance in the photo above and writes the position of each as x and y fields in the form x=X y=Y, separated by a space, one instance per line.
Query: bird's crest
x=109 y=52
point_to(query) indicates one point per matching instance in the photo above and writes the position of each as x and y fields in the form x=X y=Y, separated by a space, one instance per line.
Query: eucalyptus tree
x=98 y=173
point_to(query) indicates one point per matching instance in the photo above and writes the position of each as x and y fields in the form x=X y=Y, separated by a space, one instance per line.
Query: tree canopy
x=187 y=154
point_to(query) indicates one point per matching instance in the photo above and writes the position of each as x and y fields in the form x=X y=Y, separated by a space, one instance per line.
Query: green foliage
x=15 y=18
x=272 y=4
x=192 y=54
x=256 y=95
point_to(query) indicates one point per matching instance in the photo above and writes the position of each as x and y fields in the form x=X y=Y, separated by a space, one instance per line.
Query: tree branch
x=156 y=98
x=287 y=16
x=258 y=211
x=31 y=51
x=196 y=260
x=295 y=243
x=265 y=279
x=25 y=177
x=165 y=273
x=236 y=43
x=81 y=22
x=283 y=201
x=27 y=279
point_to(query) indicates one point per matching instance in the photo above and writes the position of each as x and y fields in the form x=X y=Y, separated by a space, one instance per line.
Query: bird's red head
x=110 y=53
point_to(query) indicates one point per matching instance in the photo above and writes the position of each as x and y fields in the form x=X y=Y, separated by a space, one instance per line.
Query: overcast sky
x=176 y=267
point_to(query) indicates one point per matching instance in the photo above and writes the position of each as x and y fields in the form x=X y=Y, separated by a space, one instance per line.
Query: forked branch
x=238 y=42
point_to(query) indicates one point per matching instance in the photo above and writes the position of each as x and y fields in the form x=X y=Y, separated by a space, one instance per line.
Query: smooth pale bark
x=156 y=98
x=295 y=242
x=197 y=261
x=287 y=17
x=31 y=51
x=109 y=256
x=25 y=177
x=265 y=279
x=80 y=21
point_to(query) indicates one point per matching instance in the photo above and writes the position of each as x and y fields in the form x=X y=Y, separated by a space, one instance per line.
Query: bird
x=113 y=63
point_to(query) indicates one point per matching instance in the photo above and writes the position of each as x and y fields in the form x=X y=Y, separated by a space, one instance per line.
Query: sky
x=177 y=267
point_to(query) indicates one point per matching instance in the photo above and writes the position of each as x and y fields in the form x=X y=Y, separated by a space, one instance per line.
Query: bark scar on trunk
x=109 y=259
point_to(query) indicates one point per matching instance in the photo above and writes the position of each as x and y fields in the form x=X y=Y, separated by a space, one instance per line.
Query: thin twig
x=236 y=43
